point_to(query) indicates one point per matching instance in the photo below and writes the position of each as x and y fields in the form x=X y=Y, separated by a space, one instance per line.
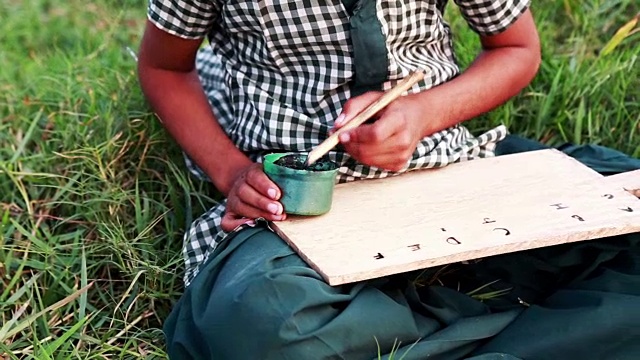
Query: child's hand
x=390 y=141
x=253 y=195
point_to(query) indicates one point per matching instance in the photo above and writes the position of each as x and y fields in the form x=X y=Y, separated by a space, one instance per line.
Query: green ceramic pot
x=304 y=192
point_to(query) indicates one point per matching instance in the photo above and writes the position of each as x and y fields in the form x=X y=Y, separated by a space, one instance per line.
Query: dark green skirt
x=256 y=299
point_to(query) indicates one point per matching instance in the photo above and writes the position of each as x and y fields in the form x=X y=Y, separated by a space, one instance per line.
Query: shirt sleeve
x=188 y=19
x=490 y=17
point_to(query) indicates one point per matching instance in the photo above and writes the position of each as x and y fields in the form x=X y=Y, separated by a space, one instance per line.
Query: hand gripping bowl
x=304 y=191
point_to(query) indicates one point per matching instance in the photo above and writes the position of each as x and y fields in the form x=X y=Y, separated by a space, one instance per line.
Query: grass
x=94 y=196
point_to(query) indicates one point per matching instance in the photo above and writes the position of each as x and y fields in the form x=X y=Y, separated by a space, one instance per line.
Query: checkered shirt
x=277 y=72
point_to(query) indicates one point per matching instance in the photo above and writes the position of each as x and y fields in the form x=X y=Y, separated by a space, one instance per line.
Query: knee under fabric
x=256 y=299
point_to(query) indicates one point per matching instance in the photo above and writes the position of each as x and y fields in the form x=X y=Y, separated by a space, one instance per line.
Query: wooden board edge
x=302 y=254
x=586 y=170
x=579 y=165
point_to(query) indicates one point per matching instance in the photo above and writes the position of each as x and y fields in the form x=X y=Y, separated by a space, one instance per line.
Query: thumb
x=354 y=106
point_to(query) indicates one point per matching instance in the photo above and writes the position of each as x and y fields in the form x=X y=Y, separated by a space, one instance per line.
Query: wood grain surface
x=461 y=212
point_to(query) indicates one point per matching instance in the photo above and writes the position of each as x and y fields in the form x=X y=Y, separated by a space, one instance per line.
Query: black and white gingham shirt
x=278 y=71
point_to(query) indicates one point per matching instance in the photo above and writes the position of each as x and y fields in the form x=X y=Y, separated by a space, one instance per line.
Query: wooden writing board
x=629 y=181
x=464 y=211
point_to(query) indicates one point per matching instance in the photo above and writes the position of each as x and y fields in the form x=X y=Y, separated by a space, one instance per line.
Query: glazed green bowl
x=304 y=192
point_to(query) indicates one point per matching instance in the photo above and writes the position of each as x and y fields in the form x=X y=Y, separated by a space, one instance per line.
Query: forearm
x=507 y=64
x=180 y=103
x=493 y=78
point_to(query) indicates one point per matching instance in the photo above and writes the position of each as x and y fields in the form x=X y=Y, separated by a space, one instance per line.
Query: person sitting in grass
x=280 y=76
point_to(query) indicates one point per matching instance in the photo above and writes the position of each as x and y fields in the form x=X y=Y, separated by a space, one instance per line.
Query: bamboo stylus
x=363 y=116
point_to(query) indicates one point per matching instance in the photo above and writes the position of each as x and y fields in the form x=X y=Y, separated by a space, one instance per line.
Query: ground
x=94 y=196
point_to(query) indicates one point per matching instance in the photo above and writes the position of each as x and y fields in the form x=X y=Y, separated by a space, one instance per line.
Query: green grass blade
x=83 y=284
x=27 y=137
x=6 y=328
x=9 y=330
x=53 y=347
x=620 y=35
x=578 y=123
x=21 y=291
x=545 y=110
x=41 y=352
x=409 y=349
x=17 y=276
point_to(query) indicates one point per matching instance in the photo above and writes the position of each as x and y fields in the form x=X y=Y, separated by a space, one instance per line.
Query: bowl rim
x=270 y=159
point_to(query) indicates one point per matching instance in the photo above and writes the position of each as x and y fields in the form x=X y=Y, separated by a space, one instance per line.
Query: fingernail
x=340 y=119
x=250 y=223
x=272 y=193
x=273 y=208
x=345 y=137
